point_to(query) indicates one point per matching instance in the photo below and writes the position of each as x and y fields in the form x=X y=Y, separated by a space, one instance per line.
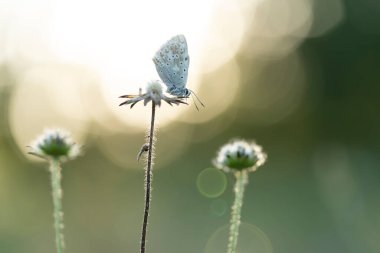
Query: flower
x=239 y=155
x=55 y=144
x=153 y=93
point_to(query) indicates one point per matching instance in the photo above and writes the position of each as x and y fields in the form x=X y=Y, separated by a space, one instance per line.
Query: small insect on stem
x=144 y=148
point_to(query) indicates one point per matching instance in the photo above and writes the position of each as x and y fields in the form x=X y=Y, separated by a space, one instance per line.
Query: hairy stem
x=148 y=180
x=56 y=176
x=241 y=181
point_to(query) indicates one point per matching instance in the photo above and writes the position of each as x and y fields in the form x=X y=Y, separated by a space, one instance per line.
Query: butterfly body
x=172 y=65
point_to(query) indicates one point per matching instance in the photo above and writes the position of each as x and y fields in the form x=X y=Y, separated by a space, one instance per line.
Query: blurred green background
x=300 y=77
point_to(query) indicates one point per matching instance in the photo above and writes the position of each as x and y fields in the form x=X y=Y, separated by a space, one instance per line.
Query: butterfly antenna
x=193 y=93
x=195 y=103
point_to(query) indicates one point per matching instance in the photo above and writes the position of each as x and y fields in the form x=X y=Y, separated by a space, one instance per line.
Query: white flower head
x=239 y=155
x=153 y=93
x=55 y=144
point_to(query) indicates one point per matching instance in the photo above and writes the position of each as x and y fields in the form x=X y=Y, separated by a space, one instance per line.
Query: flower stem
x=241 y=181
x=55 y=170
x=148 y=179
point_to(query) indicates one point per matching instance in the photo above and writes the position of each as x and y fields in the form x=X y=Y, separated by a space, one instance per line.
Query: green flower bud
x=240 y=155
x=55 y=144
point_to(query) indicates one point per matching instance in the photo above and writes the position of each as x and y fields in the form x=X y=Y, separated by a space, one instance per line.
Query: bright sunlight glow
x=119 y=38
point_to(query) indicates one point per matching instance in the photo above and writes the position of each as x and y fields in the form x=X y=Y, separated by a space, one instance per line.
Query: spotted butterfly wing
x=172 y=65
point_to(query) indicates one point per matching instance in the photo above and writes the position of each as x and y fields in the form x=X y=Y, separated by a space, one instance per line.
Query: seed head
x=153 y=93
x=55 y=144
x=240 y=155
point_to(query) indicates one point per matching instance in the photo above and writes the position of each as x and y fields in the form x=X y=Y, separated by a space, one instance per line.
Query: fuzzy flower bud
x=55 y=144
x=154 y=92
x=240 y=155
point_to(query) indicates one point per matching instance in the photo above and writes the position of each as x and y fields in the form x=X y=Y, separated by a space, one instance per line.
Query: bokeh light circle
x=40 y=102
x=251 y=239
x=279 y=89
x=211 y=182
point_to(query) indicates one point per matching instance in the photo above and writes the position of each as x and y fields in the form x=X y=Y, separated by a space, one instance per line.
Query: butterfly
x=172 y=65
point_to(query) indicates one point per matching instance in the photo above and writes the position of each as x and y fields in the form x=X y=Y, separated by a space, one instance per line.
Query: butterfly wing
x=172 y=62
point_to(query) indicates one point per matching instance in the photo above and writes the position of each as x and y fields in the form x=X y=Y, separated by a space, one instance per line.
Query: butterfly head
x=187 y=93
x=179 y=92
